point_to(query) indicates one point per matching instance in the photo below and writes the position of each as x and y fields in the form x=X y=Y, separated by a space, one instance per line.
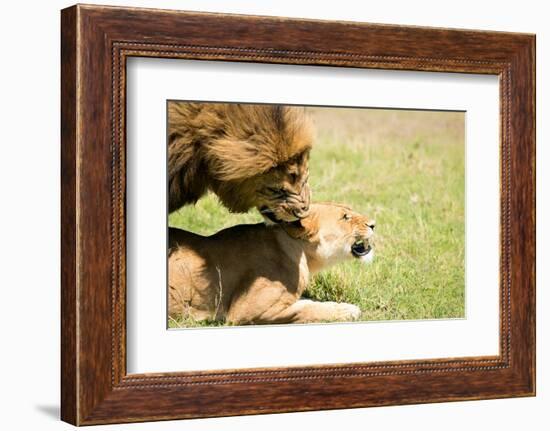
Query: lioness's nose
x=371 y=224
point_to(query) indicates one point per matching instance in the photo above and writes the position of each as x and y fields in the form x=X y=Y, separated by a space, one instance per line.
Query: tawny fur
x=250 y=274
x=246 y=154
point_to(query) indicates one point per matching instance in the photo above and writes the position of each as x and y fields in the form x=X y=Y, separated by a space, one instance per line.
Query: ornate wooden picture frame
x=96 y=41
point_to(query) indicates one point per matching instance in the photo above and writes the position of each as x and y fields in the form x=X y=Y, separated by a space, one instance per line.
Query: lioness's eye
x=346 y=217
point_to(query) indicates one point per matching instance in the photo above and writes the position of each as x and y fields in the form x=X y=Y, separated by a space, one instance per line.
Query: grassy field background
x=406 y=170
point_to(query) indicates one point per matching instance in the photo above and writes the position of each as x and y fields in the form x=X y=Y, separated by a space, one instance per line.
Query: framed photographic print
x=269 y=215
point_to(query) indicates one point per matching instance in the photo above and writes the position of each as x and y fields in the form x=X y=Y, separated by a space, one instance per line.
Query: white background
x=151 y=348
x=29 y=228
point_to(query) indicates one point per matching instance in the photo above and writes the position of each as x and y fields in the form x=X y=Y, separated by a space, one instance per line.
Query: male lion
x=248 y=155
x=251 y=274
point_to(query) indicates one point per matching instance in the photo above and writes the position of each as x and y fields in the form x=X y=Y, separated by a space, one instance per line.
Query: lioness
x=248 y=155
x=251 y=274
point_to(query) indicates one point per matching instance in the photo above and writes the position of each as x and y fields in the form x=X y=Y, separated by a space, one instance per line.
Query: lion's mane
x=228 y=147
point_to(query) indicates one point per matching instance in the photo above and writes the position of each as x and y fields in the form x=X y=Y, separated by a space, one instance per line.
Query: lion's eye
x=276 y=190
x=346 y=217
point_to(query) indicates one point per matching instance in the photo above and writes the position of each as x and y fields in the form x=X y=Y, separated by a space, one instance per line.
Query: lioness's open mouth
x=359 y=249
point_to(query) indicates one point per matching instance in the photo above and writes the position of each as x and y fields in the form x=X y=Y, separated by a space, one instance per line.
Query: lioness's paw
x=346 y=312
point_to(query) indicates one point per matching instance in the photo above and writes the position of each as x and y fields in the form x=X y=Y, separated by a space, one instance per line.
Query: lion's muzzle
x=287 y=206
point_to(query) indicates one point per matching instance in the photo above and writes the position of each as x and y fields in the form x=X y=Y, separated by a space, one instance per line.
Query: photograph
x=327 y=210
x=288 y=214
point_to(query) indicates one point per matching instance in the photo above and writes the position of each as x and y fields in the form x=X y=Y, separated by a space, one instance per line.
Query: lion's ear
x=305 y=228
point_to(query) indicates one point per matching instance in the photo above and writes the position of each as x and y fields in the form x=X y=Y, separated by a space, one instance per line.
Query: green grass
x=406 y=170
